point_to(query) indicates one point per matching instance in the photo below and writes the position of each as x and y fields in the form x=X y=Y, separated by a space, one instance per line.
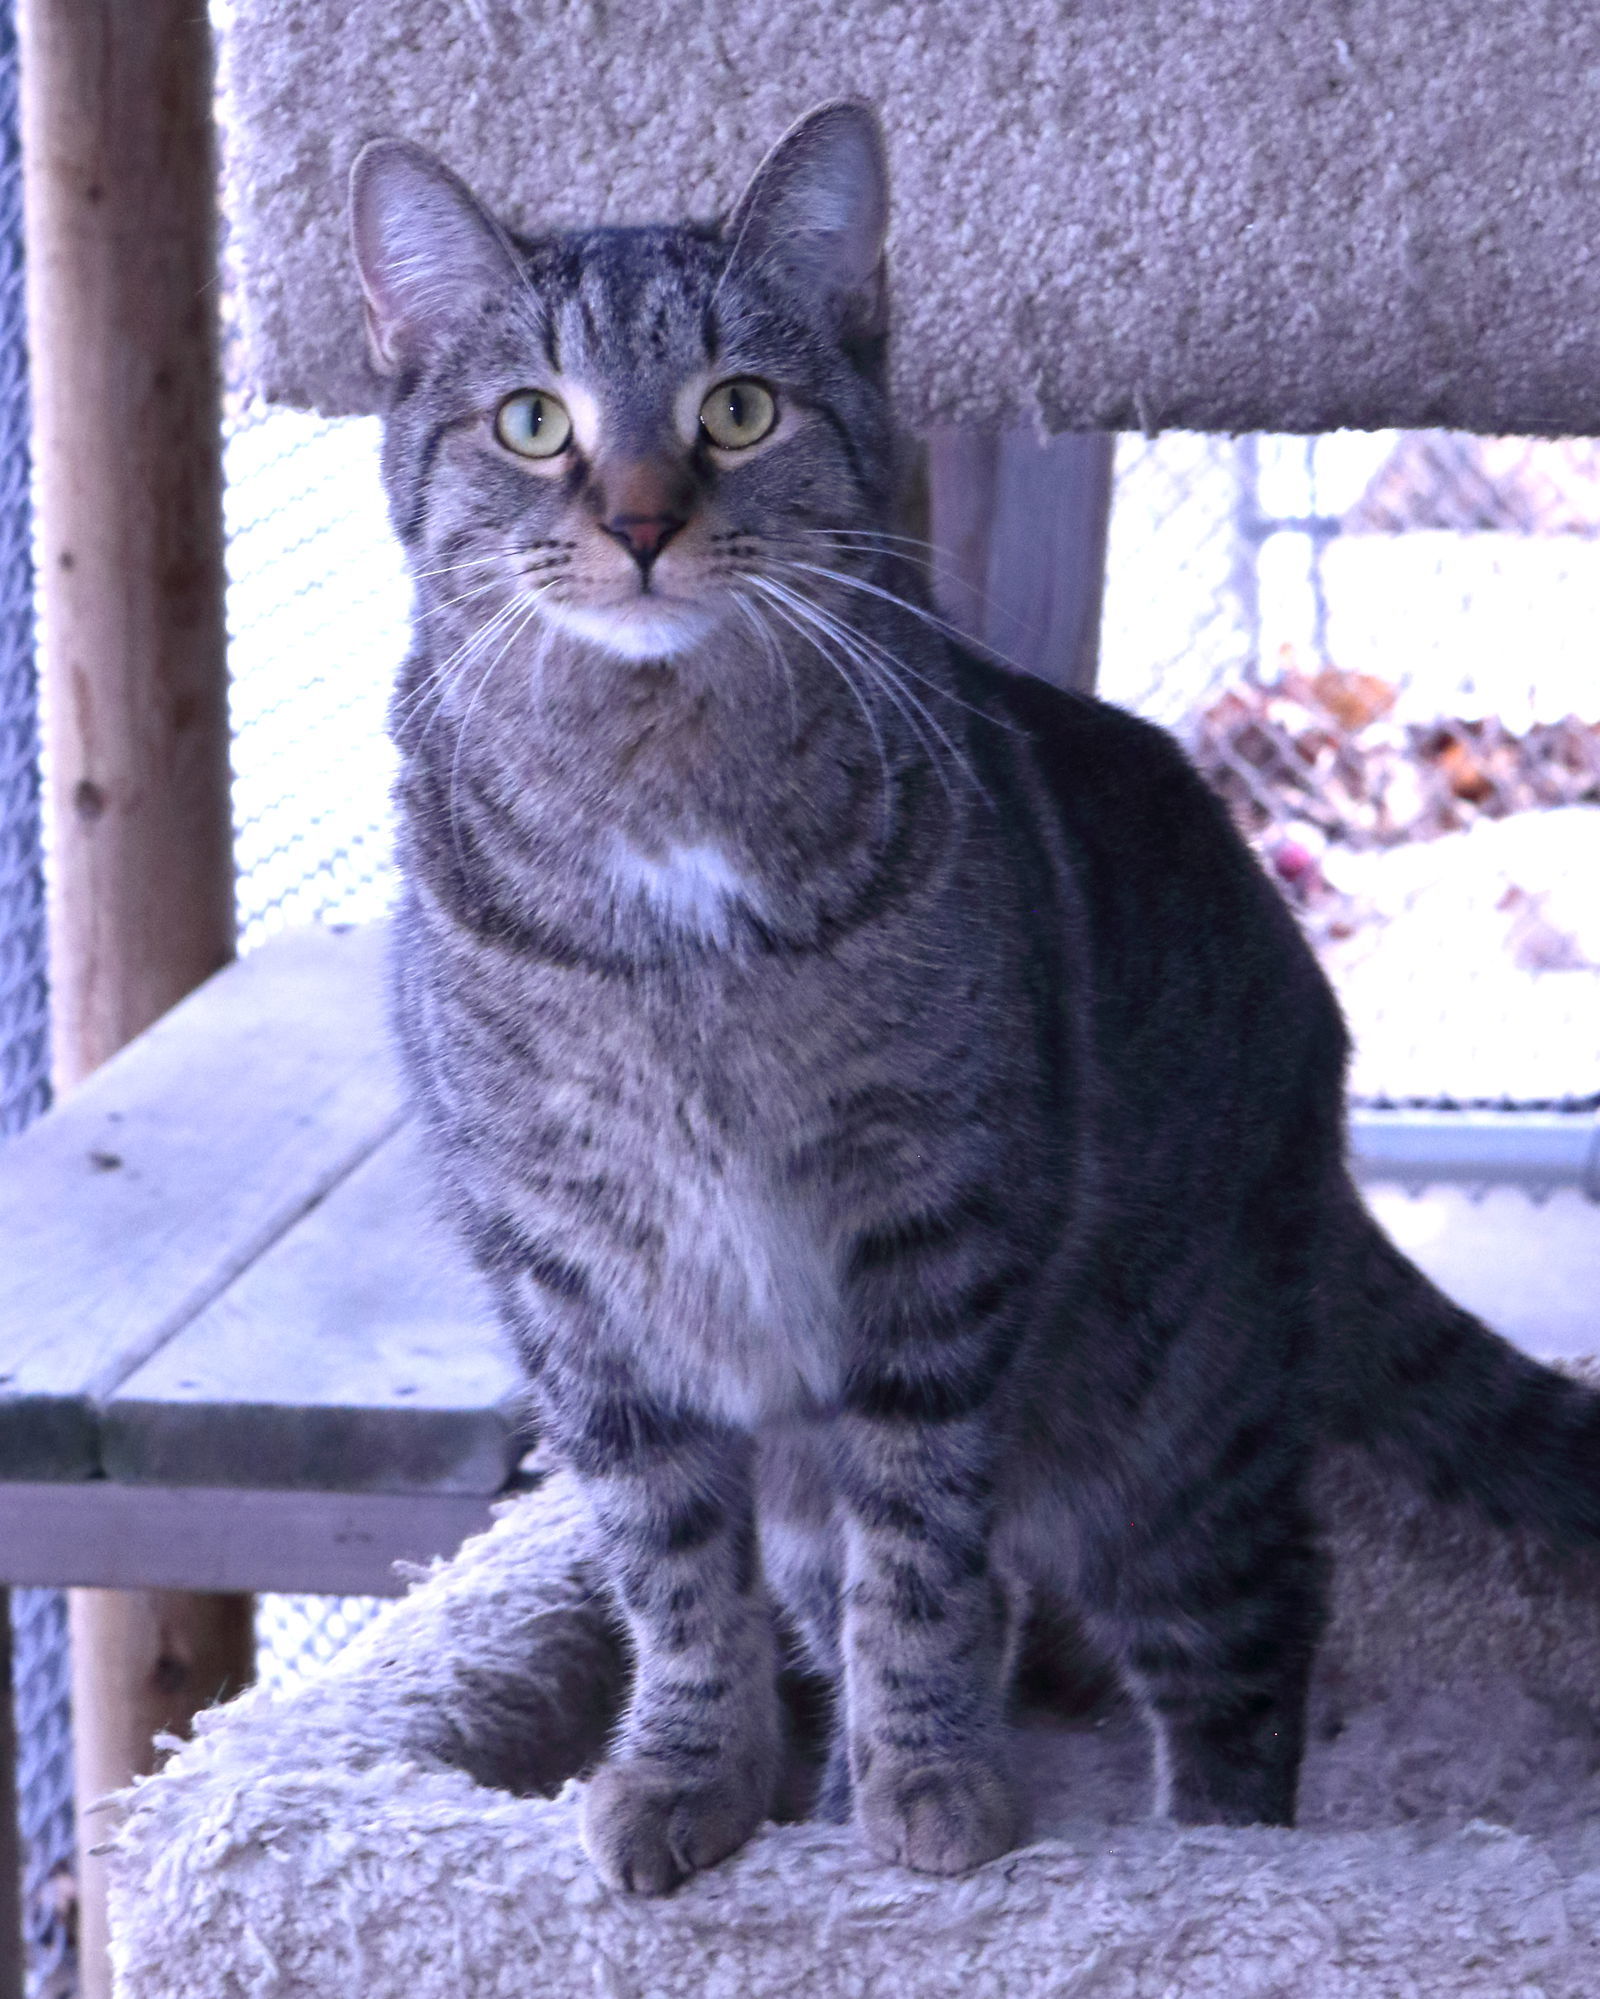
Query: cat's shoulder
x=1097 y=761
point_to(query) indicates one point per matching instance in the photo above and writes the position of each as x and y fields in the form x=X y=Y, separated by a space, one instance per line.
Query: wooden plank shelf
x=99 y=1535
x=356 y=1354
x=131 y=1207
x=236 y=1349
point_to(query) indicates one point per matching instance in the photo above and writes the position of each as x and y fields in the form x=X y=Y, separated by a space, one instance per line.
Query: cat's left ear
x=426 y=250
x=817 y=211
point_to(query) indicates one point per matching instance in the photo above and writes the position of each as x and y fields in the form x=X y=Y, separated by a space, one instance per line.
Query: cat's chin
x=648 y=628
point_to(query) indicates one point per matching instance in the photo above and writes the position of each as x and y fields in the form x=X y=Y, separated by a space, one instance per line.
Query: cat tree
x=379 y=1833
x=1234 y=215
x=1241 y=214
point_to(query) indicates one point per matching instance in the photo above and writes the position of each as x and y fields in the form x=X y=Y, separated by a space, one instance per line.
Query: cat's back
x=1196 y=974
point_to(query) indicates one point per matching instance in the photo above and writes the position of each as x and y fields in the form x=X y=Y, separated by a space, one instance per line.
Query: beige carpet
x=371 y=1836
x=1226 y=215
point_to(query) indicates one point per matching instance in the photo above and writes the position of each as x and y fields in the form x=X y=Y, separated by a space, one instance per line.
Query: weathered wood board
x=358 y=1354
x=131 y=1207
x=95 y=1534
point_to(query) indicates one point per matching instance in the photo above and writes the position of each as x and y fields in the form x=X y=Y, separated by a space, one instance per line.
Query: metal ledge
x=1536 y=1150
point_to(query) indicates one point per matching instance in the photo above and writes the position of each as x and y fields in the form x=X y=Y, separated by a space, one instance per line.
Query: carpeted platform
x=1231 y=215
x=371 y=1836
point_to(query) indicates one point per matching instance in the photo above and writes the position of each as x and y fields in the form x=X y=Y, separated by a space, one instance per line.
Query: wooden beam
x=119 y=187
x=209 y=1538
x=1018 y=526
x=144 y=1663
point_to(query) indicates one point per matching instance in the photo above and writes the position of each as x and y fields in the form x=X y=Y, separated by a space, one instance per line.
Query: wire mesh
x=1391 y=680
x=317 y=606
x=24 y=1012
x=295 y=1635
x=44 y=1790
x=41 y=1679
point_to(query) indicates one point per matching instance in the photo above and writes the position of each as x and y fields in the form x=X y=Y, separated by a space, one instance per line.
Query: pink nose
x=643 y=535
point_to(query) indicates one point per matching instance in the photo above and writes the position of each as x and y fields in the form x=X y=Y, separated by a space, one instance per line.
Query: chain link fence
x=317 y=608
x=1382 y=650
x=24 y=1011
x=38 y=1617
x=43 y=1696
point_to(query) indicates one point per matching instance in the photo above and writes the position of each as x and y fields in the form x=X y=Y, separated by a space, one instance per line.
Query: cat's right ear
x=426 y=250
x=817 y=210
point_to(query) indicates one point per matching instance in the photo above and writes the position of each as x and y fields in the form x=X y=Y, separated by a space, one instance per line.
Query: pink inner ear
x=383 y=358
x=425 y=249
x=819 y=202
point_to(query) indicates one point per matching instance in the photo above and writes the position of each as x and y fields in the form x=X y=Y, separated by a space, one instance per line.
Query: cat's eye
x=738 y=414
x=534 y=424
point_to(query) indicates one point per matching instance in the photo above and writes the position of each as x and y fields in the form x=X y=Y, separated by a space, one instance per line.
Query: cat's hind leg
x=1212 y=1606
x=802 y=1552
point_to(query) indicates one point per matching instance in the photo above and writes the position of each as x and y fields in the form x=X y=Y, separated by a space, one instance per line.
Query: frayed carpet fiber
x=405 y=1825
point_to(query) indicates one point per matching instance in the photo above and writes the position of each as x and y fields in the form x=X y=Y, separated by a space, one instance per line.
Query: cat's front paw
x=646 y=1829
x=940 y=1818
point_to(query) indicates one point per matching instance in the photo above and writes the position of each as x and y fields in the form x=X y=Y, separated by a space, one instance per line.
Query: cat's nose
x=643 y=535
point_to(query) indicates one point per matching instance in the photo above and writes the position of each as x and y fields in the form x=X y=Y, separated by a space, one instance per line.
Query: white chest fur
x=744 y=1317
x=694 y=888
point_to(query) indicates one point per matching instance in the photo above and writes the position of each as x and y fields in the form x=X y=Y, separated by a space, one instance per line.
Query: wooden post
x=1019 y=527
x=144 y=1663
x=120 y=190
x=119 y=167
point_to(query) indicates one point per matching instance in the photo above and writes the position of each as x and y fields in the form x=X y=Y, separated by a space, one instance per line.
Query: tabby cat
x=901 y=1123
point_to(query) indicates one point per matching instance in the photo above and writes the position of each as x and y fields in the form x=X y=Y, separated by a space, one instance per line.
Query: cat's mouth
x=646 y=626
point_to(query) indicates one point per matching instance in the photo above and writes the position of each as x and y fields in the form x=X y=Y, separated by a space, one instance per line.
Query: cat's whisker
x=894 y=669
x=442 y=604
x=942 y=626
x=453 y=568
x=774 y=652
x=914 y=550
x=890 y=669
x=441 y=677
x=938 y=565
x=474 y=638
x=881 y=535
x=402 y=712
x=925 y=556
x=764 y=584
x=881 y=667
x=484 y=635
x=931 y=618
x=528 y=609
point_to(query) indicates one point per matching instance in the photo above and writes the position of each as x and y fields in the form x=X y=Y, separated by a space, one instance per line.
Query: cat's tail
x=1429 y=1387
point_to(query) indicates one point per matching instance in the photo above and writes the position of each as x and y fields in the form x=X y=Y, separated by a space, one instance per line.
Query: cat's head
x=614 y=431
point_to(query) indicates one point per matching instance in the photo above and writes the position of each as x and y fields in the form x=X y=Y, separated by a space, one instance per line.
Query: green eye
x=533 y=423
x=738 y=414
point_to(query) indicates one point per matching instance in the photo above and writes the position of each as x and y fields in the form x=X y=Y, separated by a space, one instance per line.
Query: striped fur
x=902 y=1124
